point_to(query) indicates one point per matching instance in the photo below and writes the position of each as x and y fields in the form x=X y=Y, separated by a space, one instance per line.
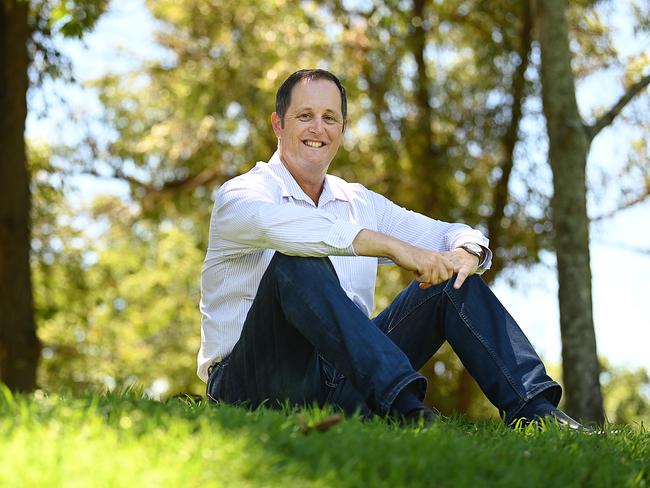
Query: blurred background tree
x=627 y=394
x=444 y=99
x=27 y=56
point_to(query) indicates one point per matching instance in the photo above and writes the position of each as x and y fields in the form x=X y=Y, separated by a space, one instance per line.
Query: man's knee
x=301 y=266
x=475 y=280
x=473 y=283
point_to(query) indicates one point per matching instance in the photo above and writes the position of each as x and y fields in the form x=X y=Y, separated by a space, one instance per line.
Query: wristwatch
x=475 y=250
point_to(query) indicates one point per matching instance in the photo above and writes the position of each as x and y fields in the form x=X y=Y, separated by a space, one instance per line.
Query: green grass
x=126 y=440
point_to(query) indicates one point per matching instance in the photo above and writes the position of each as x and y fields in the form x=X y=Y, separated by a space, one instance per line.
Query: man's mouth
x=315 y=144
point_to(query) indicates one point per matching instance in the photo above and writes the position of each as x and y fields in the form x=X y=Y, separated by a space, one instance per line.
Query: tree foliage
x=627 y=394
x=115 y=301
x=445 y=118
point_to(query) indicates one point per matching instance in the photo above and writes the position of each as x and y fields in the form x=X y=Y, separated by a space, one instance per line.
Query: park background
x=163 y=101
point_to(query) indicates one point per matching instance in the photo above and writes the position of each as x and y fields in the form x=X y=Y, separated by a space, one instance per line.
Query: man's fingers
x=435 y=271
x=447 y=269
x=460 y=278
x=442 y=268
x=424 y=281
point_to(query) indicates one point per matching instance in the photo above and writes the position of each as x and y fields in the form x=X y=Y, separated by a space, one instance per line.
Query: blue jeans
x=304 y=341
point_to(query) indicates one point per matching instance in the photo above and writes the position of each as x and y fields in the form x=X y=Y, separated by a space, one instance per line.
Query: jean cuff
x=420 y=389
x=552 y=391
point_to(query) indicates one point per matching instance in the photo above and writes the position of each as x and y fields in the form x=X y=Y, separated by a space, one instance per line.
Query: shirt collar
x=332 y=189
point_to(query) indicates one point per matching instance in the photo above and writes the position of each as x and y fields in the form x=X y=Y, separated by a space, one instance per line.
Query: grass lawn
x=126 y=440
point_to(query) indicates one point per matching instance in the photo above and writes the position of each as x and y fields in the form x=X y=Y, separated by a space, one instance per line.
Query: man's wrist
x=475 y=250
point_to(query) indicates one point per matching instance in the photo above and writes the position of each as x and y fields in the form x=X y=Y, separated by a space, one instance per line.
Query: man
x=289 y=277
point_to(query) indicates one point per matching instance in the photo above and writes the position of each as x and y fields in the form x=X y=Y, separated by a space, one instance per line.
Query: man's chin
x=308 y=158
x=316 y=157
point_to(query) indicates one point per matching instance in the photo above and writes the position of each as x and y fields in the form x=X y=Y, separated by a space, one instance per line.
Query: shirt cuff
x=341 y=236
x=487 y=261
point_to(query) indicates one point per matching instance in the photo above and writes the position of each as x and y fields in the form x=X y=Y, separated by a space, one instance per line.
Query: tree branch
x=625 y=205
x=626 y=247
x=205 y=177
x=117 y=174
x=613 y=112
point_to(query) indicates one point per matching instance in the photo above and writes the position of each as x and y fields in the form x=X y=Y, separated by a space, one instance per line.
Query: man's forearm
x=429 y=267
x=371 y=243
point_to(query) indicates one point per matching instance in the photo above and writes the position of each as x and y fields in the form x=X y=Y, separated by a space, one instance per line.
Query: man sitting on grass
x=288 y=282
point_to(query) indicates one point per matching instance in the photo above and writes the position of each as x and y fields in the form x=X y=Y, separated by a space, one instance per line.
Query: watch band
x=475 y=250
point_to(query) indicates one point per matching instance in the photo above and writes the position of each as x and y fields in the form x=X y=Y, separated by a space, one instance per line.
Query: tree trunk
x=19 y=346
x=568 y=148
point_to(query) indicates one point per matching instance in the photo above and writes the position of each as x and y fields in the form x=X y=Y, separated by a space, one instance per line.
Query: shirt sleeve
x=422 y=231
x=248 y=216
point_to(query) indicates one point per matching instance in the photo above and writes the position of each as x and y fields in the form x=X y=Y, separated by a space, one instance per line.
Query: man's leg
x=480 y=330
x=299 y=313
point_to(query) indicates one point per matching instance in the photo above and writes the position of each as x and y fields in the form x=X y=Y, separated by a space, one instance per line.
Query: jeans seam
x=332 y=389
x=411 y=310
x=283 y=277
x=281 y=274
x=207 y=390
x=481 y=340
x=286 y=278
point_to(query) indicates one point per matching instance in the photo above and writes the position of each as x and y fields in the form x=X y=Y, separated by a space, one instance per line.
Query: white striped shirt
x=265 y=210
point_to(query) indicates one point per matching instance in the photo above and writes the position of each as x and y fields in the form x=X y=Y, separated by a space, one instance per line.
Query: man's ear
x=277 y=124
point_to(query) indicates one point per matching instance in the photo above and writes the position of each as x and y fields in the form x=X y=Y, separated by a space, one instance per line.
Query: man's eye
x=330 y=119
x=304 y=117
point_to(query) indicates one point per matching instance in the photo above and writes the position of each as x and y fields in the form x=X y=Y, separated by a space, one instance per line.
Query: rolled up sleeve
x=422 y=231
x=255 y=219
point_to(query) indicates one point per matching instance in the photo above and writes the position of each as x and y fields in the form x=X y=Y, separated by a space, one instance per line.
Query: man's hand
x=429 y=267
x=465 y=264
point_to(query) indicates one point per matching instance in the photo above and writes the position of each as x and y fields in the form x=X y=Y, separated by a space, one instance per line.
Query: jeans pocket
x=330 y=380
x=214 y=386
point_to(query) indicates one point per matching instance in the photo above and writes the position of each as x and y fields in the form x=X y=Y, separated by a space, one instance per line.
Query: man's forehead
x=307 y=93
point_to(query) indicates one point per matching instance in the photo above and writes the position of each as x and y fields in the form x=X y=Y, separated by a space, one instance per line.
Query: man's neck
x=310 y=180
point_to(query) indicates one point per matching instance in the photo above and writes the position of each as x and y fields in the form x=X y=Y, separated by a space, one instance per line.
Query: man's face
x=313 y=124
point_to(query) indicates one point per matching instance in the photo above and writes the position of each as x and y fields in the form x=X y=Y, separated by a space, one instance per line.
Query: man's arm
x=425 y=232
x=247 y=215
x=429 y=267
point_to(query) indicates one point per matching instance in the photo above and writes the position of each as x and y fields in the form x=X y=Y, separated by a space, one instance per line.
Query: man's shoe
x=555 y=415
x=420 y=417
x=563 y=420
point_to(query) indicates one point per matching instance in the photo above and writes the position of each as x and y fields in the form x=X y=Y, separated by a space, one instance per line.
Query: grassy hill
x=127 y=440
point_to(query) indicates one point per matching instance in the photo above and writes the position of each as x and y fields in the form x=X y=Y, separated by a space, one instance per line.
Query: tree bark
x=19 y=346
x=568 y=148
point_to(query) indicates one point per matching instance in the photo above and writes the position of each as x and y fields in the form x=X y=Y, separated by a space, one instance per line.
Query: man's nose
x=316 y=126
